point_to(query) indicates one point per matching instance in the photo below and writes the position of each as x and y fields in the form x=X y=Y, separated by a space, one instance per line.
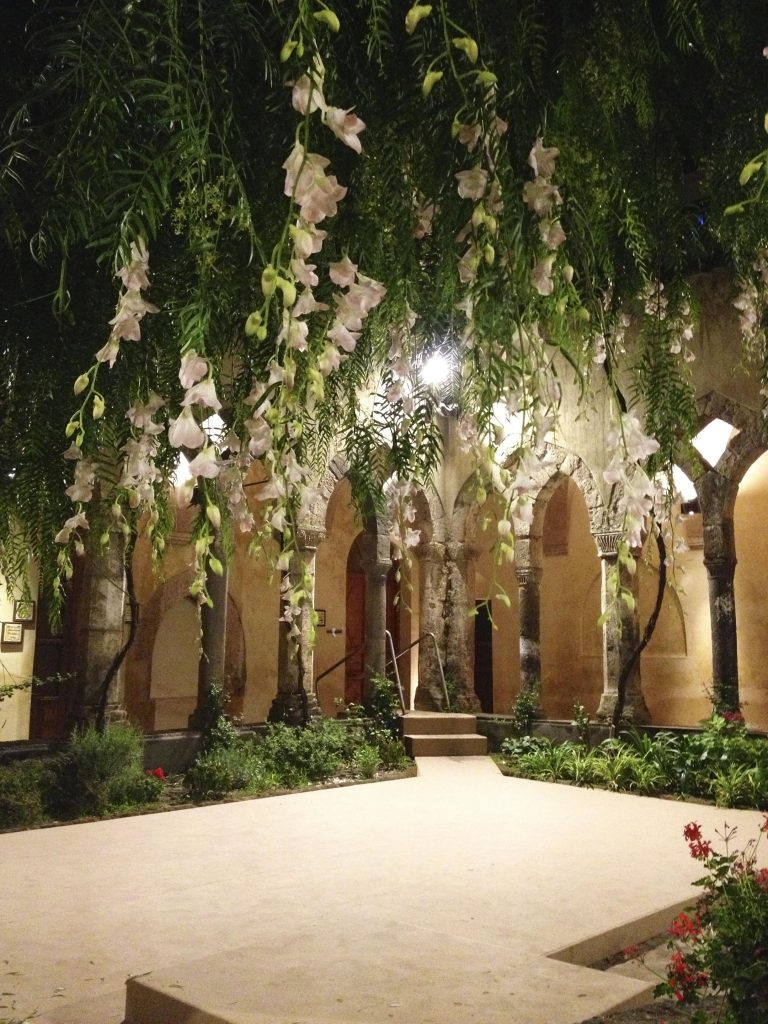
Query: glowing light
x=181 y=474
x=683 y=485
x=436 y=370
x=713 y=439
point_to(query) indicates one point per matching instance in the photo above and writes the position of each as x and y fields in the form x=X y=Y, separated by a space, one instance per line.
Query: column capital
x=308 y=538
x=432 y=551
x=607 y=543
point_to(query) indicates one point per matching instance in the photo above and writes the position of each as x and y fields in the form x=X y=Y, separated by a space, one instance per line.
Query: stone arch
x=742 y=450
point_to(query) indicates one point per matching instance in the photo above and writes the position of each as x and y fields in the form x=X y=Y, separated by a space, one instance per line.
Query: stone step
x=450 y=745
x=435 y=723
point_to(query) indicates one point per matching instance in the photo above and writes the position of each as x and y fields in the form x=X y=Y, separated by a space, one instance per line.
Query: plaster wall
x=571 y=668
x=342 y=526
x=16 y=667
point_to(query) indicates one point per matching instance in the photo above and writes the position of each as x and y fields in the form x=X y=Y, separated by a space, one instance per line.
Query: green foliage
x=717 y=764
x=367 y=760
x=21 y=794
x=524 y=712
x=100 y=772
x=382 y=704
x=120 y=122
x=581 y=721
x=290 y=757
x=226 y=769
x=217 y=729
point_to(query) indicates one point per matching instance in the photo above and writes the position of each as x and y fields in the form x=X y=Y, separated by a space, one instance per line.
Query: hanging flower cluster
x=314 y=337
x=401 y=515
x=131 y=306
x=629 y=447
x=139 y=472
x=543 y=197
x=675 y=319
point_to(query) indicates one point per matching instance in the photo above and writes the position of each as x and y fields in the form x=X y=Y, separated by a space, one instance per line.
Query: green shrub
x=366 y=760
x=217 y=728
x=382 y=704
x=99 y=772
x=225 y=769
x=297 y=756
x=525 y=710
x=392 y=753
x=21 y=794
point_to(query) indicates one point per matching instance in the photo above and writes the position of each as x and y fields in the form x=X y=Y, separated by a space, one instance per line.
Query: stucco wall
x=16 y=667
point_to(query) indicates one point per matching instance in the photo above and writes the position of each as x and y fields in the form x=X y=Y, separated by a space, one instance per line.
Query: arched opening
x=571 y=640
x=176 y=660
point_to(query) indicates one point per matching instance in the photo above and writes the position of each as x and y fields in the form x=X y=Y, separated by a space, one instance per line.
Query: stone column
x=376 y=564
x=459 y=638
x=296 y=700
x=621 y=636
x=213 y=639
x=529 y=608
x=717 y=496
x=720 y=562
x=101 y=610
x=431 y=558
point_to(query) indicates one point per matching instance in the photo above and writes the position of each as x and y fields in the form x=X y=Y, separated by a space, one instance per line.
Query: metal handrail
x=336 y=664
x=395 y=657
x=390 y=641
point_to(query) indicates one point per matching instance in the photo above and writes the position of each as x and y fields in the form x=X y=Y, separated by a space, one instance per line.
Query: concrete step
x=435 y=723
x=452 y=745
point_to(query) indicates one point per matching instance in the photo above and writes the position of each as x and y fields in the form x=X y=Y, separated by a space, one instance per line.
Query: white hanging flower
x=184 y=431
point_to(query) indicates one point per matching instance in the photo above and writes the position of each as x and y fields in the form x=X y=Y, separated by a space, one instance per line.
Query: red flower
x=761 y=877
x=684 y=927
x=700 y=849
x=692 y=831
x=631 y=952
x=158 y=773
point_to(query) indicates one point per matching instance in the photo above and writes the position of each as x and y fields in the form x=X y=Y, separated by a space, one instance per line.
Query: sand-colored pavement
x=432 y=899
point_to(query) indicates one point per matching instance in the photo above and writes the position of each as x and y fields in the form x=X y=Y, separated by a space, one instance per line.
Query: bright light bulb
x=436 y=370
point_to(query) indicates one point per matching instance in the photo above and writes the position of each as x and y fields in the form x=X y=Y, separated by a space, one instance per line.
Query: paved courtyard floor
x=432 y=900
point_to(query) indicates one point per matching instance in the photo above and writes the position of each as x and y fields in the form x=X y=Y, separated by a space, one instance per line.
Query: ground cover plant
x=721 y=763
x=286 y=757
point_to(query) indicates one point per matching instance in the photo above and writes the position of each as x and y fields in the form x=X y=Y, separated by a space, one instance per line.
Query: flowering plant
x=723 y=946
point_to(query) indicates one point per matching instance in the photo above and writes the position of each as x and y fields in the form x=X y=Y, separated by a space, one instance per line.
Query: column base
x=635 y=711
x=113 y=715
x=294 y=708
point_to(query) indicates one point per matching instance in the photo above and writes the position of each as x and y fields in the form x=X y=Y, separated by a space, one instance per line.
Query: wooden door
x=53 y=703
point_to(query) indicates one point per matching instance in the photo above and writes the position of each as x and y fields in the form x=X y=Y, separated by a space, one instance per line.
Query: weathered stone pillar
x=376 y=564
x=621 y=636
x=459 y=639
x=720 y=562
x=296 y=700
x=431 y=558
x=213 y=639
x=101 y=610
x=717 y=496
x=529 y=610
